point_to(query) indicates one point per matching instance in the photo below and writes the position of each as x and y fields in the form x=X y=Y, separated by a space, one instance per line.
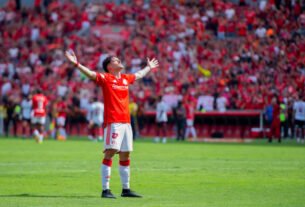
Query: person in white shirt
x=26 y=109
x=161 y=119
x=229 y=12
x=26 y=88
x=299 y=119
x=62 y=89
x=261 y=32
x=96 y=120
x=35 y=33
x=221 y=103
x=6 y=86
x=205 y=103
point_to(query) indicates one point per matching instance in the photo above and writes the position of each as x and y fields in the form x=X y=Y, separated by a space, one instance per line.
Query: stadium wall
x=229 y=124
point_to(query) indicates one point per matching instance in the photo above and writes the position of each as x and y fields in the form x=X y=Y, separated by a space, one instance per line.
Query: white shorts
x=97 y=122
x=38 y=120
x=60 y=121
x=161 y=120
x=118 y=136
x=189 y=122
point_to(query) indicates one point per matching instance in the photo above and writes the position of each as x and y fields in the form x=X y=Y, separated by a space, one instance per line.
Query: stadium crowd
x=238 y=56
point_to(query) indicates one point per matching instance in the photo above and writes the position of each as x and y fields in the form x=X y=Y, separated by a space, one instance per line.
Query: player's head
x=25 y=96
x=112 y=63
x=38 y=91
x=106 y=62
x=300 y=96
x=95 y=99
x=274 y=100
x=160 y=98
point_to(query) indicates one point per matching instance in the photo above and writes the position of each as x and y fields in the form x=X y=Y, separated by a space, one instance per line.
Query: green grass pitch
x=171 y=175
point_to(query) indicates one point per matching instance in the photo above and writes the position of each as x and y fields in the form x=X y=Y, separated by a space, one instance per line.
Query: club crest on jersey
x=115 y=135
x=125 y=82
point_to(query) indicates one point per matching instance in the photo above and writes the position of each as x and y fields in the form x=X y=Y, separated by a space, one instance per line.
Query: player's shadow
x=25 y=195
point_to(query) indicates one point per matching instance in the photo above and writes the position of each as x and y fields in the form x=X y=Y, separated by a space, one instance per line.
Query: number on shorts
x=114 y=135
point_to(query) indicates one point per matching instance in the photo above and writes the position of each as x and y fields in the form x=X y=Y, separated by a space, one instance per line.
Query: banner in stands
x=113 y=33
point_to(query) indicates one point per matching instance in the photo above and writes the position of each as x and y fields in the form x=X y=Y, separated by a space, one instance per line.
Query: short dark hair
x=106 y=62
x=38 y=91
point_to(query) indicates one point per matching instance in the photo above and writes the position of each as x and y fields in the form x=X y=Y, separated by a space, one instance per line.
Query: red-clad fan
x=39 y=112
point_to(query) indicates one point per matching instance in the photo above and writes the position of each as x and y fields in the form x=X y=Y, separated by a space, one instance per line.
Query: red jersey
x=39 y=102
x=61 y=109
x=116 y=96
x=190 y=111
x=276 y=112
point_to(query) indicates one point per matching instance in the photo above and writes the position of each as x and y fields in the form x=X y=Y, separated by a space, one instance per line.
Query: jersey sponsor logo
x=116 y=87
x=114 y=135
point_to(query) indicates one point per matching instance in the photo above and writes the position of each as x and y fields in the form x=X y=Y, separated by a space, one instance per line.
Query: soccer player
x=96 y=119
x=39 y=103
x=26 y=108
x=275 y=124
x=161 y=119
x=117 y=131
x=299 y=119
x=205 y=102
x=179 y=113
x=221 y=103
x=190 y=117
x=61 y=109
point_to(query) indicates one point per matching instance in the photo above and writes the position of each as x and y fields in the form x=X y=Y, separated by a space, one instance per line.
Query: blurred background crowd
x=221 y=55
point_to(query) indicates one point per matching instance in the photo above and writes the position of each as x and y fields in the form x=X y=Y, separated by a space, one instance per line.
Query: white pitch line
x=41 y=172
x=37 y=163
x=167 y=169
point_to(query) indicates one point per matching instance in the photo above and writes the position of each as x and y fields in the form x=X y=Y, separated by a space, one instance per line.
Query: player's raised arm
x=151 y=64
x=72 y=58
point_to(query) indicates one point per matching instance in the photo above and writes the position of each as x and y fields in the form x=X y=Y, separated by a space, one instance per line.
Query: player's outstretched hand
x=71 y=56
x=153 y=63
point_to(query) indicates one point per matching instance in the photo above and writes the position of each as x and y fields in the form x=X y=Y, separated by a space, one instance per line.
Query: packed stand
x=236 y=56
